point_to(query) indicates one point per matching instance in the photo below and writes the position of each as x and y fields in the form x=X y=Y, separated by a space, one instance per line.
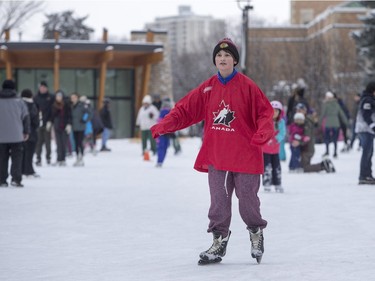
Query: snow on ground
x=121 y=218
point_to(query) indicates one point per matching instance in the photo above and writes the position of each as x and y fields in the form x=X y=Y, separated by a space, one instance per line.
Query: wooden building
x=94 y=69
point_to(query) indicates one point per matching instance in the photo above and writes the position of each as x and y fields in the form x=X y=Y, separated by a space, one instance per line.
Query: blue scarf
x=227 y=79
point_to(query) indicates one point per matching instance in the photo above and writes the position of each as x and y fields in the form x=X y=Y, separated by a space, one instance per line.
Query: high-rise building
x=187 y=30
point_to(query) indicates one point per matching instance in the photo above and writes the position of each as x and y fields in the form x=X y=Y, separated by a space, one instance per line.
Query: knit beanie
x=26 y=93
x=227 y=45
x=9 y=84
x=147 y=99
x=60 y=93
x=43 y=83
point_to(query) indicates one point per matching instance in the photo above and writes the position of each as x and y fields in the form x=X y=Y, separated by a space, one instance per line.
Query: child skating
x=238 y=122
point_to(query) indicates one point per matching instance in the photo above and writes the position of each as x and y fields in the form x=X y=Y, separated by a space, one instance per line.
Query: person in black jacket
x=30 y=144
x=105 y=116
x=365 y=128
x=43 y=102
x=61 y=119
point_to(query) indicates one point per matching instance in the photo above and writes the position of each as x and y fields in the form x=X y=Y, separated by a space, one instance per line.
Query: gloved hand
x=157 y=131
x=151 y=115
x=297 y=137
x=259 y=139
x=68 y=129
x=48 y=126
x=306 y=139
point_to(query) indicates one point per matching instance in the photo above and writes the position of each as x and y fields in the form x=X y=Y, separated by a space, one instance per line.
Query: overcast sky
x=122 y=17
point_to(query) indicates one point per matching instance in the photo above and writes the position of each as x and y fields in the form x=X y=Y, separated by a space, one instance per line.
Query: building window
x=307 y=15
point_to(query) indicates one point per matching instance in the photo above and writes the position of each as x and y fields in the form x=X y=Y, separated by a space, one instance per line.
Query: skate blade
x=258 y=258
x=205 y=262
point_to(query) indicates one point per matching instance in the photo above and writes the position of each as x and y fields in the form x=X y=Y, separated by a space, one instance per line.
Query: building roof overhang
x=79 y=54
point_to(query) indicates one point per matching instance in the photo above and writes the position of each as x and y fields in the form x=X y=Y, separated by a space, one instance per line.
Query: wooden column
x=146 y=73
x=56 y=68
x=6 y=58
x=103 y=61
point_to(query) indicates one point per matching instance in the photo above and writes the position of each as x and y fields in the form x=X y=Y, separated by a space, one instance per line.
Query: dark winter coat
x=44 y=104
x=365 y=122
x=14 y=117
x=34 y=119
x=309 y=131
x=61 y=115
x=97 y=124
x=79 y=117
x=105 y=116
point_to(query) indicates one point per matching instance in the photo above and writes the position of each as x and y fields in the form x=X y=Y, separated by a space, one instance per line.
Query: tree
x=188 y=75
x=14 y=13
x=365 y=42
x=68 y=26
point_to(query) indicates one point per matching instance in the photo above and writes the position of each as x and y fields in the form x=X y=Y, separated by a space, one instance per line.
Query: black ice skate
x=328 y=166
x=257 y=247
x=216 y=251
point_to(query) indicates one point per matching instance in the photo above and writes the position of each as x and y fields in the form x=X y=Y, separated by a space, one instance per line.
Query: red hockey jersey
x=238 y=121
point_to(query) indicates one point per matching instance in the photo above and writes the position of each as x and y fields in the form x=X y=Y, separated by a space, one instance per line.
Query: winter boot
x=257 y=247
x=279 y=188
x=267 y=188
x=367 y=180
x=79 y=161
x=216 y=251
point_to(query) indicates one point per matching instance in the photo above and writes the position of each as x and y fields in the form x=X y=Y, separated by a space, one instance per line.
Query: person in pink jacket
x=271 y=150
x=238 y=122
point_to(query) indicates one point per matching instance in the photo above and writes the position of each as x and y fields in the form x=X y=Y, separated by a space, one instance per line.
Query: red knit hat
x=227 y=45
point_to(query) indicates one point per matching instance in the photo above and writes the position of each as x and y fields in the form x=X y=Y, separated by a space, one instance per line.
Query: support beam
x=105 y=58
x=149 y=59
x=103 y=76
x=56 y=68
x=146 y=73
x=6 y=58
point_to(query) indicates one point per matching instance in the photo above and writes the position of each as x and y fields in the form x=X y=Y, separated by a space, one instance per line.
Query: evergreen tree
x=68 y=26
x=365 y=42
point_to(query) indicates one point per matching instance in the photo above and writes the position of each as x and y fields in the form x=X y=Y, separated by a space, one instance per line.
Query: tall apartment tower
x=304 y=11
x=187 y=31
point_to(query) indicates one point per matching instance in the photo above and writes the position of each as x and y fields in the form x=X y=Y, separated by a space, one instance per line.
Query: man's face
x=43 y=89
x=224 y=61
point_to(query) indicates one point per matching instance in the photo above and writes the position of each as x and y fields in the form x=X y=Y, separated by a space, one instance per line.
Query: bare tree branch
x=15 y=13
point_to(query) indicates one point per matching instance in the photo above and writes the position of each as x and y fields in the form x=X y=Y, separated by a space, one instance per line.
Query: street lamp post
x=245 y=35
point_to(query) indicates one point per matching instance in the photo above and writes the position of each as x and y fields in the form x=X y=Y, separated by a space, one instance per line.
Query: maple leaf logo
x=224 y=115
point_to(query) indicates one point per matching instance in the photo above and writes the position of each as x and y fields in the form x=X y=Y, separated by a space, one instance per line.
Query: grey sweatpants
x=246 y=186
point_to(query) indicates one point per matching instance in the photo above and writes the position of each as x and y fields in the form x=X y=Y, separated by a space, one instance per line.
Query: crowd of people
x=30 y=122
x=242 y=144
x=303 y=124
x=152 y=111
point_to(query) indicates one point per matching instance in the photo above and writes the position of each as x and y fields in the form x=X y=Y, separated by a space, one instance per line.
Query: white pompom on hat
x=299 y=116
x=329 y=94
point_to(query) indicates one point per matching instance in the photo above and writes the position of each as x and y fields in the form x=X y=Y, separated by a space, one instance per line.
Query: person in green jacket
x=331 y=115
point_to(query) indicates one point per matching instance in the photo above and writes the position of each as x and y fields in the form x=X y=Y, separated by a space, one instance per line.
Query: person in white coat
x=147 y=117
